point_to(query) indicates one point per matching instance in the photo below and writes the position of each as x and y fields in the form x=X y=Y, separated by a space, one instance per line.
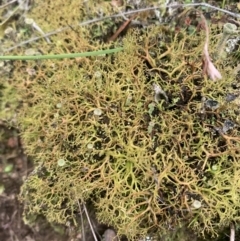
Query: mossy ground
x=144 y=164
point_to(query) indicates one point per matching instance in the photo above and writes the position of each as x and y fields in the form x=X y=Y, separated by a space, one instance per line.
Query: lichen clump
x=148 y=164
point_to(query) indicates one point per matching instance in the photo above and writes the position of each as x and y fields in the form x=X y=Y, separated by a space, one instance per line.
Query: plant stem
x=62 y=56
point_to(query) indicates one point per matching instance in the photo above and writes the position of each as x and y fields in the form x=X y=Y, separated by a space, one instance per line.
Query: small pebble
x=212 y=104
x=231 y=97
x=228 y=125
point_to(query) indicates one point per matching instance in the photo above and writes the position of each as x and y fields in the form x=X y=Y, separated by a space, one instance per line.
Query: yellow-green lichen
x=140 y=179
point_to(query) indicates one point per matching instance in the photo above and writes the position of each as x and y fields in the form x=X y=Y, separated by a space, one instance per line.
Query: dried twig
x=10 y=16
x=236 y=15
x=31 y=22
x=81 y=216
x=122 y=27
x=5 y=5
x=89 y=221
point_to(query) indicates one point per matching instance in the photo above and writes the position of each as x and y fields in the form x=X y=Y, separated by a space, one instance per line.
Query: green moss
x=9 y=102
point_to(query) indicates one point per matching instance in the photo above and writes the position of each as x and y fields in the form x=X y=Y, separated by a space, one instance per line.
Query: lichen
x=141 y=180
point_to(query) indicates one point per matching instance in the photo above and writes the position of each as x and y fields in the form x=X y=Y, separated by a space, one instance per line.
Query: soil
x=14 y=167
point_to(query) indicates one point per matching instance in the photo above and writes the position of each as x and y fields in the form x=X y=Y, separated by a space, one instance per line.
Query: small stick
x=122 y=27
x=5 y=5
x=206 y=5
x=89 y=221
x=81 y=216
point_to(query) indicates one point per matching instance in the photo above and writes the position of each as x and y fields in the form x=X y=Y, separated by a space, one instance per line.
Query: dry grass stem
x=89 y=221
x=232 y=232
x=81 y=217
x=7 y=4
